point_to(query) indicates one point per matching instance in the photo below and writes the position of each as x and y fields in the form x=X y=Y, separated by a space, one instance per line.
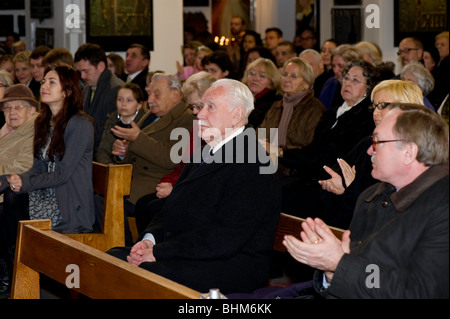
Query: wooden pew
x=39 y=250
x=292 y=225
x=113 y=182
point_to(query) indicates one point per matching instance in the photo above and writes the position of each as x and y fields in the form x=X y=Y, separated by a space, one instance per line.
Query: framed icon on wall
x=116 y=24
x=422 y=19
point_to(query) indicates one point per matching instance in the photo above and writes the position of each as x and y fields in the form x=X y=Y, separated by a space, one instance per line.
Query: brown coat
x=150 y=152
x=305 y=117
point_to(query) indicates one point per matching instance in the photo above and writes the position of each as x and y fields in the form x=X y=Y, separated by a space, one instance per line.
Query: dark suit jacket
x=141 y=80
x=35 y=87
x=217 y=227
x=104 y=102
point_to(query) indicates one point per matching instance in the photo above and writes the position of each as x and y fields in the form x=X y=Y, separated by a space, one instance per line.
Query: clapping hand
x=334 y=184
x=318 y=247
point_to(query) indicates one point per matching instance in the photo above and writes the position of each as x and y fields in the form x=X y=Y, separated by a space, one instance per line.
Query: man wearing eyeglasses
x=410 y=50
x=397 y=245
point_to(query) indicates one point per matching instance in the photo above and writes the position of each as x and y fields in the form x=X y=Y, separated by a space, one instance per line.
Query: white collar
x=132 y=76
x=229 y=138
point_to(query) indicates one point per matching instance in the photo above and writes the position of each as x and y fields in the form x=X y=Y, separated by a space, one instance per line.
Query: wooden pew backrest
x=113 y=182
x=41 y=250
x=292 y=225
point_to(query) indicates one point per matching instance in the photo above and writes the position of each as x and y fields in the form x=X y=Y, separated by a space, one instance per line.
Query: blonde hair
x=369 y=48
x=306 y=70
x=443 y=34
x=5 y=78
x=23 y=56
x=347 y=52
x=401 y=91
x=271 y=70
x=198 y=82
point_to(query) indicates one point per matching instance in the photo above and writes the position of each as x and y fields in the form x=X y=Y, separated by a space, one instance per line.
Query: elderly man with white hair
x=217 y=227
x=321 y=75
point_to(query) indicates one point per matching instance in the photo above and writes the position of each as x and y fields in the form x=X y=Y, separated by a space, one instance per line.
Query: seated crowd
x=321 y=125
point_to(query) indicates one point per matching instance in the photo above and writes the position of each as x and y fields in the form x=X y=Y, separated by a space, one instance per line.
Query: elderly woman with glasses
x=18 y=105
x=339 y=130
x=298 y=113
x=352 y=173
x=264 y=81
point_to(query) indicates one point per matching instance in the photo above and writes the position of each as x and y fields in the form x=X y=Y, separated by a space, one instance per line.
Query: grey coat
x=72 y=178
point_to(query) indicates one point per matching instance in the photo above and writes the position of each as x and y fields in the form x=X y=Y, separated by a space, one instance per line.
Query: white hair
x=313 y=52
x=174 y=81
x=239 y=94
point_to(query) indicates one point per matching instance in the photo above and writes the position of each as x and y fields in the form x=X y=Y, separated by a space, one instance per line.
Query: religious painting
x=116 y=24
x=420 y=18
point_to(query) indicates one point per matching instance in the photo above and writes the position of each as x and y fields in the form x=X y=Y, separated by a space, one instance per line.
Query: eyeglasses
x=8 y=108
x=354 y=81
x=254 y=74
x=379 y=106
x=375 y=143
x=407 y=50
x=198 y=107
x=292 y=76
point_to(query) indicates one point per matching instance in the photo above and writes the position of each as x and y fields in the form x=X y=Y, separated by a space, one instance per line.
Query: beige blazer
x=16 y=149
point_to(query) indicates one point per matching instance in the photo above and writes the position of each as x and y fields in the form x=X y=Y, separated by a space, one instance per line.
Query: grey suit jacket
x=72 y=178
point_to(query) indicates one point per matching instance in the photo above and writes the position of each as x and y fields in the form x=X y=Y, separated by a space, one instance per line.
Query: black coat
x=262 y=105
x=338 y=209
x=141 y=80
x=103 y=103
x=217 y=227
x=403 y=235
x=330 y=142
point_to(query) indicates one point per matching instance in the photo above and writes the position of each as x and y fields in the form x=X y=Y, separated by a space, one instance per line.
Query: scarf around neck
x=289 y=102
